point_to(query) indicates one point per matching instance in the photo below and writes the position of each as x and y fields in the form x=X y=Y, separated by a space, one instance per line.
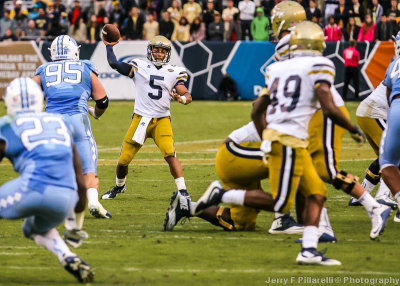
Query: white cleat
x=79 y=268
x=75 y=237
x=379 y=216
x=285 y=225
x=98 y=211
x=387 y=200
x=397 y=216
x=212 y=196
x=310 y=256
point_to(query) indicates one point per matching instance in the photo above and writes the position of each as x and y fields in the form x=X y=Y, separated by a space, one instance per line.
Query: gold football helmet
x=286 y=15
x=307 y=38
x=159 y=42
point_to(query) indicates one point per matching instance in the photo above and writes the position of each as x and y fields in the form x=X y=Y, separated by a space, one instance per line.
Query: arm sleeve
x=121 y=67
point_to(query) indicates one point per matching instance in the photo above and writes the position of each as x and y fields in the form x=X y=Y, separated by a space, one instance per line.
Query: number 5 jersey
x=153 y=86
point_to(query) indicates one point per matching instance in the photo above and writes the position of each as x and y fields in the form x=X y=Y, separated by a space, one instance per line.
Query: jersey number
x=33 y=137
x=71 y=73
x=156 y=87
x=290 y=89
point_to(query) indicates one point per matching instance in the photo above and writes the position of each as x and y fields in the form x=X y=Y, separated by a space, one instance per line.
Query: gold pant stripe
x=329 y=149
x=244 y=152
x=285 y=180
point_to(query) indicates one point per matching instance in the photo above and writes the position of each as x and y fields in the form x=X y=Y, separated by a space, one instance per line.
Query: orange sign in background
x=377 y=66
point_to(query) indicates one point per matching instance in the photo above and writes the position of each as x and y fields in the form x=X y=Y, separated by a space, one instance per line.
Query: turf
x=132 y=249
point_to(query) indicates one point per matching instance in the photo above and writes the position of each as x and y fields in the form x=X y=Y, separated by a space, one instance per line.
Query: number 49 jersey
x=40 y=148
x=291 y=90
x=67 y=85
x=153 y=86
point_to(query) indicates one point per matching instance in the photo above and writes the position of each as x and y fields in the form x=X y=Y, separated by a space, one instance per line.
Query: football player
x=371 y=117
x=389 y=159
x=156 y=82
x=41 y=149
x=68 y=83
x=290 y=99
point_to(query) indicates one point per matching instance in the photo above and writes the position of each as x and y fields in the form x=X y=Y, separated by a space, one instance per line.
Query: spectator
x=34 y=12
x=175 y=11
x=260 y=26
x=191 y=10
x=235 y=29
x=116 y=15
x=56 y=29
x=5 y=23
x=247 y=9
x=330 y=7
x=357 y=11
x=20 y=23
x=313 y=11
x=151 y=7
x=93 y=30
x=216 y=28
x=42 y=22
x=52 y=15
x=208 y=16
x=227 y=16
x=384 y=30
x=64 y=23
x=181 y=31
x=32 y=33
x=227 y=89
x=341 y=14
x=351 y=58
x=98 y=5
x=78 y=30
x=134 y=25
x=150 y=28
x=197 y=30
x=59 y=7
x=332 y=31
x=76 y=12
x=367 y=30
x=376 y=11
x=166 y=25
x=17 y=9
x=394 y=10
x=8 y=36
x=351 y=31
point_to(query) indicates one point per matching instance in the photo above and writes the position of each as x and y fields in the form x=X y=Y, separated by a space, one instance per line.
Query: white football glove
x=92 y=112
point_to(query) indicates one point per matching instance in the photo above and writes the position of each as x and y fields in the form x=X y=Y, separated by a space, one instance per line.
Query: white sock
x=383 y=190
x=235 y=197
x=324 y=219
x=191 y=207
x=180 y=183
x=70 y=221
x=79 y=219
x=120 y=182
x=278 y=215
x=53 y=242
x=93 y=196
x=368 y=201
x=397 y=198
x=310 y=237
x=367 y=185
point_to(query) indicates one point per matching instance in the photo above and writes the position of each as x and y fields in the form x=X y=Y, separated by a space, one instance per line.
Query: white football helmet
x=23 y=94
x=64 y=48
x=397 y=44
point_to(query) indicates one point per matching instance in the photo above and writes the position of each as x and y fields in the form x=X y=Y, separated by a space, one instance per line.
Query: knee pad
x=225 y=224
x=373 y=172
x=344 y=181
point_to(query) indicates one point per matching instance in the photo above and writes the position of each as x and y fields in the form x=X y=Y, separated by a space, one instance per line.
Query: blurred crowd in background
x=191 y=20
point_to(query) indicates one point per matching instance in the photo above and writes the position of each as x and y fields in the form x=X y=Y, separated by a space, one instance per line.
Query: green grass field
x=132 y=249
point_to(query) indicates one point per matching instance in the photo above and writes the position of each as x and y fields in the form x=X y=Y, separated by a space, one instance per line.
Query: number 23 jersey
x=153 y=86
x=291 y=90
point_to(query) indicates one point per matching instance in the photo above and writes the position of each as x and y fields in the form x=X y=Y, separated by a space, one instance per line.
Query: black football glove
x=358 y=136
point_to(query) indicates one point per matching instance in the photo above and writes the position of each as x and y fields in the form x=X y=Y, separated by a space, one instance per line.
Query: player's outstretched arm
x=323 y=92
x=81 y=204
x=121 y=67
x=258 y=112
x=99 y=95
x=181 y=94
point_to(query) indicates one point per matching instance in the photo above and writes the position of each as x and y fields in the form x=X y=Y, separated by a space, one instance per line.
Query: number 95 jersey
x=291 y=90
x=153 y=86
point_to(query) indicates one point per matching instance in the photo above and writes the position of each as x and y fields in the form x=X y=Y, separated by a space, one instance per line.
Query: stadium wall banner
x=206 y=63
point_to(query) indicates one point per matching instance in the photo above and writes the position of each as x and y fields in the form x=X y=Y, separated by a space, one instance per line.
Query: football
x=110 y=33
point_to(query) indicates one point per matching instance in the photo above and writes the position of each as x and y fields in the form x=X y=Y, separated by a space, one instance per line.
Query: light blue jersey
x=392 y=79
x=67 y=85
x=40 y=148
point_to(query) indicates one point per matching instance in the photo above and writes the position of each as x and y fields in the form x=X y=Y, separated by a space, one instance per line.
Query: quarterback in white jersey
x=156 y=83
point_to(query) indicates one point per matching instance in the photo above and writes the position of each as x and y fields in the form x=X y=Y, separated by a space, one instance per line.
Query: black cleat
x=113 y=192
